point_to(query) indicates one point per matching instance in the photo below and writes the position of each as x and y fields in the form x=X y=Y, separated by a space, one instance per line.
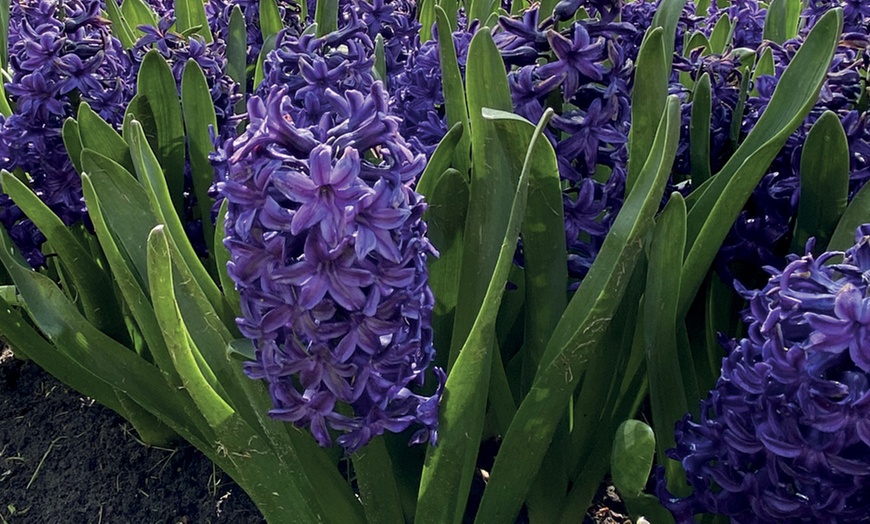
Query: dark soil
x=65 y=459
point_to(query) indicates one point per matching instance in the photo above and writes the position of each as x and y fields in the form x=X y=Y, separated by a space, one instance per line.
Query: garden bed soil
x=65 y=459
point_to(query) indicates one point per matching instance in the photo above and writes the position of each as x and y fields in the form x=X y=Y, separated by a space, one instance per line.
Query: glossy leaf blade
x=857 y=213
x=575 y=337
x=449 y=467
x=699 y=131
x=270 y=18
x=98 y=135
x=492 y=183
x=648 y=102
x=824 y=177
x=454 y=92
x=199 y=114
x=237 y=46
x=91 y=282
x=190 y=15
x=157 y=84
x=149 y=171
x=668 y=397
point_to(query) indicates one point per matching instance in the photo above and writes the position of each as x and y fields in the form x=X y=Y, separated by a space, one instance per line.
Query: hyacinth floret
x=785 y=434
x=328 y=247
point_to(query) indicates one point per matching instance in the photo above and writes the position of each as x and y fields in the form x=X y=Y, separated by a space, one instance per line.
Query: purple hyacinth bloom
x=784 y=436
x=327 y=245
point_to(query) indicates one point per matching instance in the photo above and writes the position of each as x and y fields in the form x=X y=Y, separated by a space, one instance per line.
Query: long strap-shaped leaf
x=150 y=173
x=667 y=394
x=648 y=100
x=91 y=281
x=199 y=114
x=255 y=461
x=449 y=466
x=454 y=92
x=190 y=15
x=575 y=337
x=119 y=367
x=157 y=84
x=711 y=216
x=824 y=182
x=493 y=182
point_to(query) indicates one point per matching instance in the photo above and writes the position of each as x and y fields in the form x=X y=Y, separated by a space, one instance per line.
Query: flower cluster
x=586 y=70
x=760 y=235
x=785 y=434
x=63 y=54
x=328 y=246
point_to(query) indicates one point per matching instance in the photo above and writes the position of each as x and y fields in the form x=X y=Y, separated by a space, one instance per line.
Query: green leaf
x=481 y=10
x=157 y=84
x=451 y=7
x=190 y=17
x=137 y=13
x=222 y=258
x=426 y=15
x=668 y=396
x=667 y=17
x=711 y=217
x=119 y=27
x=268 y=46
x=763 y=66
x=92 y=284
x=98 y=135
x=632 y=457
x=270 y=18
x=439 y=162
x=720 y=38
x=648 y=102
x=326 y=17
x=781 y=21
x=4 y=33
x=699 y=131
x=740 y=107
x=775 y=21
x=125 y=205
x=448 y=470
x=237 y=49
x=544 y=249
x=454 y=92
x=119 y=367
x=445 y=216
x=377 y=484
x=581 y=326
x=199 y=114
x=140 y=110
x=210 y=404
x=72 y=141
x=855 y=215
x=492 y=183
x=824 y=177
x=5 y=108
x=379 y=69
x=149 y=172
x=123 y=274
